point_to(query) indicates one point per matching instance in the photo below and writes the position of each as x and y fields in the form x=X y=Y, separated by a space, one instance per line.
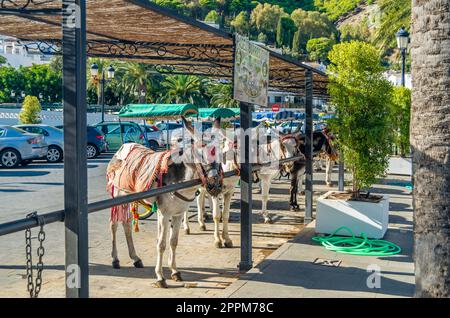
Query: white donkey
x=280 y=148
x=230 y=163
x=135 y=168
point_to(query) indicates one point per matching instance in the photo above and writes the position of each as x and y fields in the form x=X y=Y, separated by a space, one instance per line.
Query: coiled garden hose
x=357 y=245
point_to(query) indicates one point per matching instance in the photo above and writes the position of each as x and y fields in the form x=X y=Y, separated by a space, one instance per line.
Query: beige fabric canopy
x=142 y=31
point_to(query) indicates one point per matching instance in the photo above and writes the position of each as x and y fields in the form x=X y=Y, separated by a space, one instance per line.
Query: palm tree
x=95 y=83
x=430 y=140
x=182 y=89
x=138 y=79
x=222 y=95
x=394 y=15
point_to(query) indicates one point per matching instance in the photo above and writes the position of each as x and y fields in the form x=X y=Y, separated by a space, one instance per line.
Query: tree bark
x=430 y=141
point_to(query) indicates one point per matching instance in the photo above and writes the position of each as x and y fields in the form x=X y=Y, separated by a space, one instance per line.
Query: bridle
x=216 y=188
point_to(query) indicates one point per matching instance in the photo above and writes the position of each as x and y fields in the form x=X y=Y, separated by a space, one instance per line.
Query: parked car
x=154 y=136
x=54 y=136
x=117 y=133
x=96 y=142
x=19 y=147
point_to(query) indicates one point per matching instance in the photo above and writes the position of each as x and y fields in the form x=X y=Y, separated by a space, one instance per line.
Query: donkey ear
x=217 y=123
x=188 y=125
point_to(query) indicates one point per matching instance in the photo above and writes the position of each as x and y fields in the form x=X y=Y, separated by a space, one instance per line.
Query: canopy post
x=246 y=188
x=309 y=146
x=75 y=158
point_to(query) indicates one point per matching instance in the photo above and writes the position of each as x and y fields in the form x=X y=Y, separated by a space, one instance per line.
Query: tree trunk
x=431 y=145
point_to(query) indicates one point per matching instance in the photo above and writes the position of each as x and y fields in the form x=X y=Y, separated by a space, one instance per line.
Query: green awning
x=237 y=111
x=158 y=111
x=209 y=114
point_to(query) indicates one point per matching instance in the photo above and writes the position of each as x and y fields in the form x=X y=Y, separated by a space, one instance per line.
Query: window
x=277 y=99
x=112 y=129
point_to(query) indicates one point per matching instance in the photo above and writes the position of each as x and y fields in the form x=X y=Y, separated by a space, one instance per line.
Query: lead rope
x=35 y=287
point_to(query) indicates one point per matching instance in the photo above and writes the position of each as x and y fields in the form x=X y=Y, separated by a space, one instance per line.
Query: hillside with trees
x=290 y=25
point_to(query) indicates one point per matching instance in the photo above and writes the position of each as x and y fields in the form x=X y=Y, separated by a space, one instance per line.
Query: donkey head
x=205 y=150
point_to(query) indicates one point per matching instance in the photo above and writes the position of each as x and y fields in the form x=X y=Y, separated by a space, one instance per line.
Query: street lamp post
x=402 y=43
x=17 y=96
x=103 y=81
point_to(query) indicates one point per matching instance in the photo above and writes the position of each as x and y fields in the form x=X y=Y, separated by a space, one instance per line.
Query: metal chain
x=35 y=287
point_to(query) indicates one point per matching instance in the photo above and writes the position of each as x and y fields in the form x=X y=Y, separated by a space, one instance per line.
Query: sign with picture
x=251 y=72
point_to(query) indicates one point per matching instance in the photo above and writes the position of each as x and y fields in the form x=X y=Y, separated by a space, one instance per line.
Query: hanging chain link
x=35 y=287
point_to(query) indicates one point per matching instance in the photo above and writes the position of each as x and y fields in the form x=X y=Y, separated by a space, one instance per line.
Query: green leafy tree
x=285 y=31
x=357 y=32
x=262 y=38
x=311 y=24
x=42 y=79
x=221 y=95
x=241 y=24
x=336 y=8
x=362 y=97
x=182 y=89
x=400 y=118
x=3 y=60
x=319 y=48
x=212 y=16
x=31 y=108
x=177 y=5
x=10 y=81
x=265 y=17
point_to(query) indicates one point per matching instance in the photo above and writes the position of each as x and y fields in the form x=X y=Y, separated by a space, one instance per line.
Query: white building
x=17 y=55
x=396 y=78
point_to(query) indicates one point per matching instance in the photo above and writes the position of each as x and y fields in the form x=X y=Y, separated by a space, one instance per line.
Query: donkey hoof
x=161 y=284
x=116 y=264
x=187 y=231
x=295 y=209
x=302 y=193
x=203 y=227
x=228 y=244
x=138 y=264
x=177 y=277
x=268 y=221
x=218 y=244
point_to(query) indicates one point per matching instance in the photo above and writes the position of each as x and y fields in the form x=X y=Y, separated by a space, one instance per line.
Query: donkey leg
x=174 y=233
x=131 y=250
x=265 y=188
x=201 y=210
x=163 y=229
x=187 y=229
x=300 y=183
x=225 y=218
x=115 y=258
x=328 y=170
x=216 y=217
x=293 y=190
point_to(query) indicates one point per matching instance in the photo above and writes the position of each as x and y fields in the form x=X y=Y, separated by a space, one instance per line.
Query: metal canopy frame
x=72 y=31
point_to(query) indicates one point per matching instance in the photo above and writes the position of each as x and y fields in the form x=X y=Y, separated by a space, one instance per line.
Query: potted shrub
x=362 y=98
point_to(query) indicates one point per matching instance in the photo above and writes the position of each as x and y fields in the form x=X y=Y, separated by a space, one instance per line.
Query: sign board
x=251 y=72
x=275 y=108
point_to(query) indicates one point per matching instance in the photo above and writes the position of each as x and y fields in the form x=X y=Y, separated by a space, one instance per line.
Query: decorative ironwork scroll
x=24 y=4
x=160 y=51
x=46 y=47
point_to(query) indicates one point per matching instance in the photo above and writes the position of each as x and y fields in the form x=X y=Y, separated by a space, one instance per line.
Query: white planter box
x=369 y=218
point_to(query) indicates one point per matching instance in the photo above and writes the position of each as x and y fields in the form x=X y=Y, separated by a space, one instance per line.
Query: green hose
x=357 y=246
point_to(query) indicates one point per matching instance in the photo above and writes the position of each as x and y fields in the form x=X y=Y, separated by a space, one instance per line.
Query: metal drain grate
x=327 y=262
